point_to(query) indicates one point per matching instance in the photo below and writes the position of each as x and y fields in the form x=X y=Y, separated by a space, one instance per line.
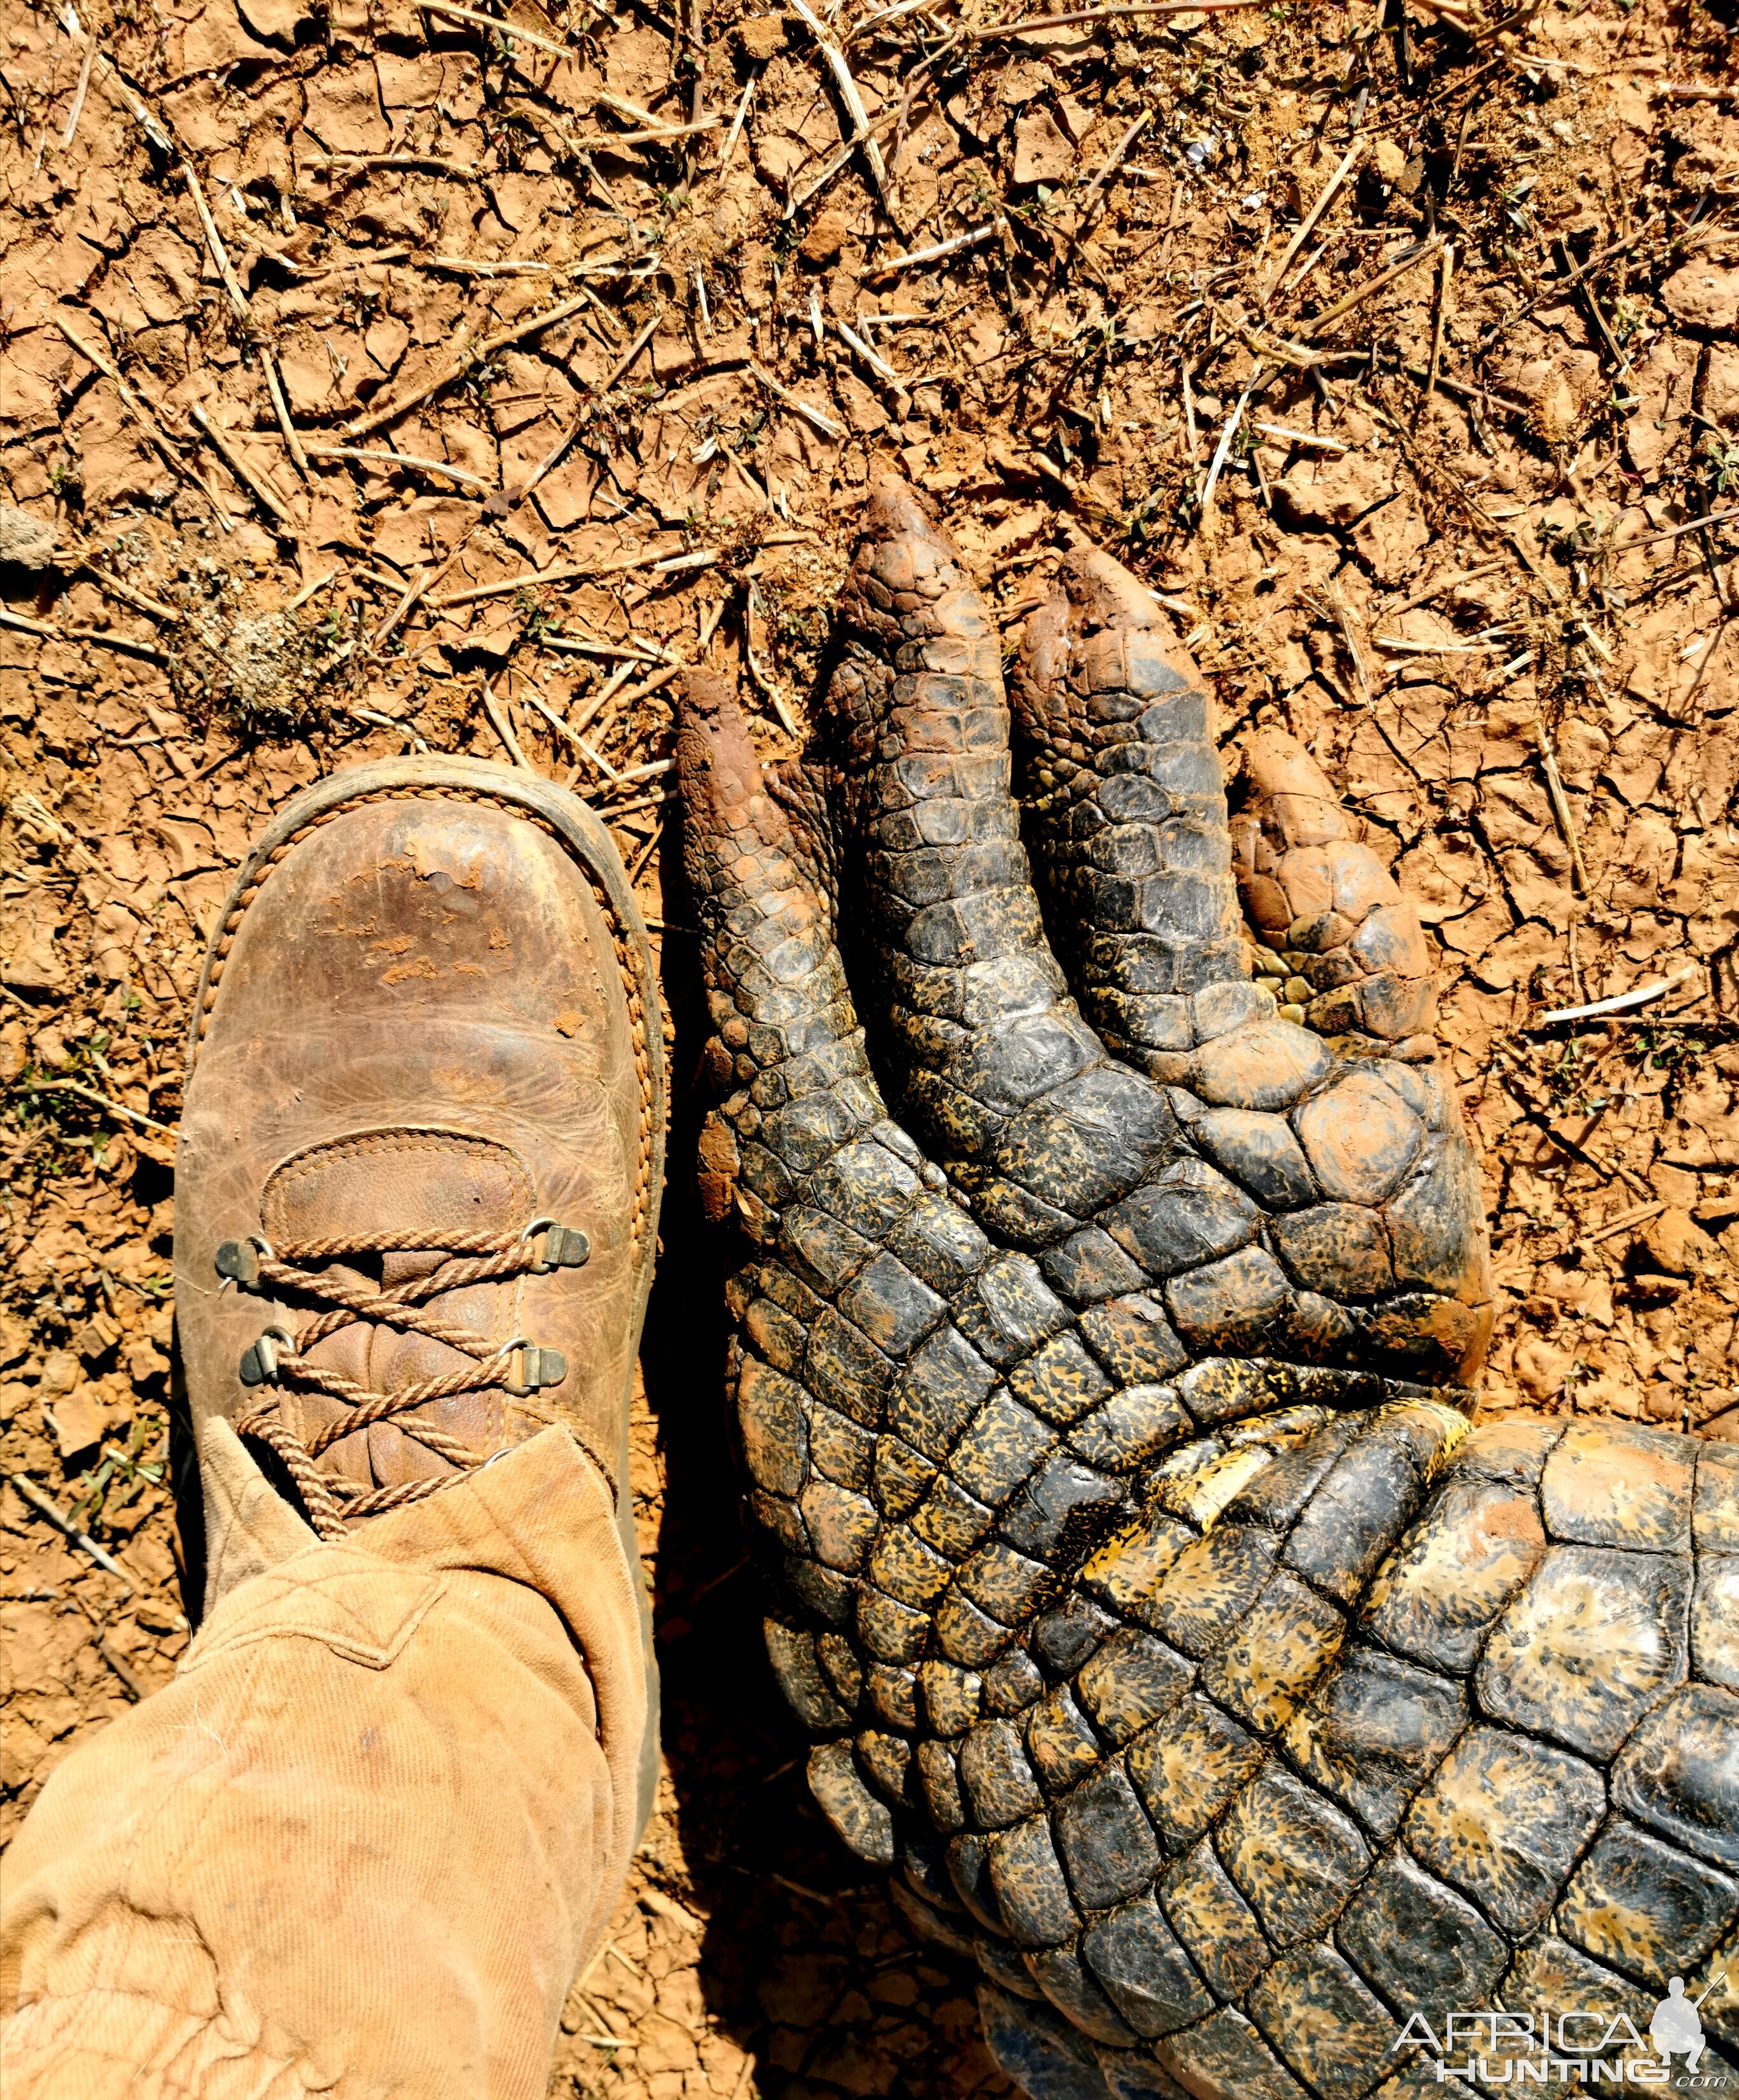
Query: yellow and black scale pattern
x=1161 y=1622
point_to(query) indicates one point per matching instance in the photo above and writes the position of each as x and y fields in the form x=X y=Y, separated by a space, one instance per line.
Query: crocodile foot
x=1105 y=1342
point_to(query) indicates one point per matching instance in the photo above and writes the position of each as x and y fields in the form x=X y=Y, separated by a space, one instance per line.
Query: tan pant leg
x=362 y=1842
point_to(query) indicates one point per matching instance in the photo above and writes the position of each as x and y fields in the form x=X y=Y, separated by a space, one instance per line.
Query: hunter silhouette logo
x=1677 y=2028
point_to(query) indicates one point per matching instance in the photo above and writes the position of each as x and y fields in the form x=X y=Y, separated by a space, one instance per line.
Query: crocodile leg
x=1166 y=1631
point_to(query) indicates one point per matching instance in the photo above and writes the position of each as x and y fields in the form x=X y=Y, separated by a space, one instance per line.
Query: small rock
x=1042 y=150
x=15 y=1053
x=60 y=1373
x=1389 y=160
x=80 y=1420
x=26 y=542
x=97 y=1336
x=1703 y=295
x=1320 y=494
x=761 y=36
x=1674 y=1244
x=143 y=1360
x=825 y=238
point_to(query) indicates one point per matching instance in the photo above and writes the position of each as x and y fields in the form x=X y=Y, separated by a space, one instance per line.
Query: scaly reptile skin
x=1158 y=1616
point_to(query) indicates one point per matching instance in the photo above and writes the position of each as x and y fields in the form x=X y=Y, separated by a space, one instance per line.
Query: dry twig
x=361 y=425
x=238 y=298
x=64 y=1524
x=246 y=475
x=96 y=634
x=1643 y=995
x=1307 y=225
x=951 y=247
x=853 y=101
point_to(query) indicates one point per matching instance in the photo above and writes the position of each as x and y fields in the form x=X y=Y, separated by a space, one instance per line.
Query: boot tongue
x=386 y=1184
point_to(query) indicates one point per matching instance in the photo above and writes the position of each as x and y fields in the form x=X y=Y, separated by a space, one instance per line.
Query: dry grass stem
x=141 y=414
x=79 y=93
x=737 y=124
x=1369 y=289
x=503 y=728
x=280 y=408
x=878 y=365
x=1643 y=995
x=1306 y=226
x=1440 y=321
x=231 y=457
x=360 y=426
x=1285 y=436
x=822 y=420
x=63 y=1523
x=462 y=475
x=1031 y=22
x=603 y=141
x=864 y=137
x=238 y=298
x=100 y=636
x=511 y=30
x=361 y=162
x=935 y=254
x=1224 y=447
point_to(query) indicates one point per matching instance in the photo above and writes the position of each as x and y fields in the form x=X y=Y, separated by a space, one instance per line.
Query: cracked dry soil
x=1437 y=309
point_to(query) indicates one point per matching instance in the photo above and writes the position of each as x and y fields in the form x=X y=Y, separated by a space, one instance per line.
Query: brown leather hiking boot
x=421 y=1158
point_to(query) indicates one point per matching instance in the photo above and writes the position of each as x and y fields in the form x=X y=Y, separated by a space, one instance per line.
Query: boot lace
x=279 y=1359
